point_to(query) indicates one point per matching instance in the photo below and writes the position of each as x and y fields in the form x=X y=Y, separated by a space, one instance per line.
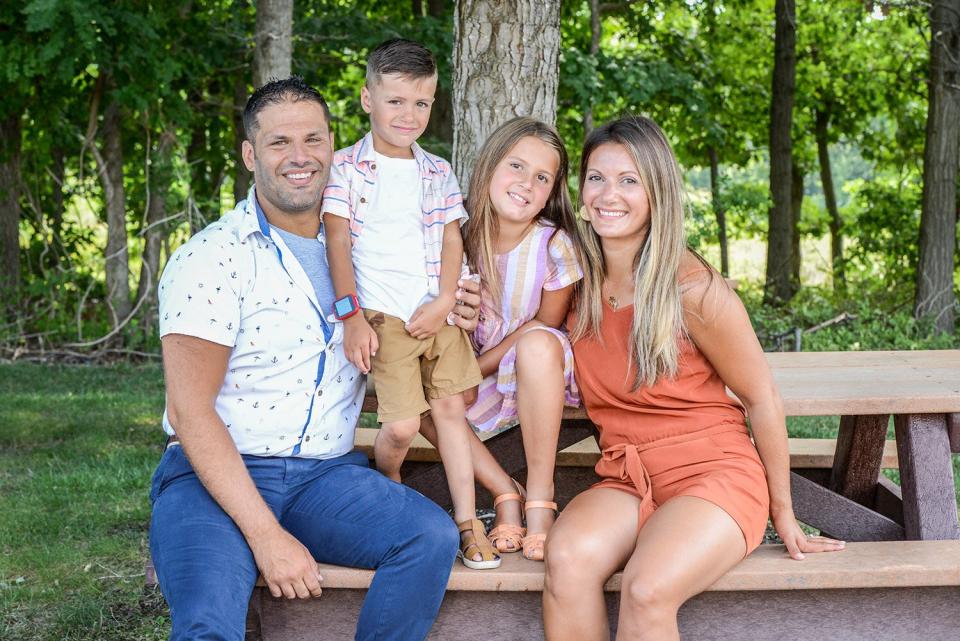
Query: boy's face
x=399 y=109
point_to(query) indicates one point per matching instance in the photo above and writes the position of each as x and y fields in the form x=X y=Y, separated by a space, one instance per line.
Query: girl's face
x=523 y=180
x=616 y=202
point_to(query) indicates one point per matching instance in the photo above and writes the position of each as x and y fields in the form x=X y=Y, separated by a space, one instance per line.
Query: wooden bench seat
x=899 y=590
x=805 y=453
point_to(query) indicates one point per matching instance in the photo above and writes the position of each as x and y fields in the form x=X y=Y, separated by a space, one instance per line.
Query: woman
x=657 y=337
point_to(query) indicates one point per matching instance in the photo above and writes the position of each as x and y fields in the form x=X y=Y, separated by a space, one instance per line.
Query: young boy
x=392 y=215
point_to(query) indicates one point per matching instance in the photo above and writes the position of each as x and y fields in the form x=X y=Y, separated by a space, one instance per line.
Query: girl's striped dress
x=544 y=260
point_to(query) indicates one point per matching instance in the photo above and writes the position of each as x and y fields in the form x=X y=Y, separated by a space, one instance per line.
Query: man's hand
x=430 y=317
x=287 y=566
x=466 y=312
x=359 y=342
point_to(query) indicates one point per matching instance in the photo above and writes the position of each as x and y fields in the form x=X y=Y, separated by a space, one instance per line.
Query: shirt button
x=362 y=199
x=373 y=166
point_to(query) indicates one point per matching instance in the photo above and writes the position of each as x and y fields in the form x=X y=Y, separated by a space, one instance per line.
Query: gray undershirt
x=312 y=256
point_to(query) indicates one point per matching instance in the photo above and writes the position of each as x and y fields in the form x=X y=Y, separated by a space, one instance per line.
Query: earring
x=582 y=213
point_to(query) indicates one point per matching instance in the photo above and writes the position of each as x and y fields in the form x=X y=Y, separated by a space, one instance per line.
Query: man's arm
x=194 y=370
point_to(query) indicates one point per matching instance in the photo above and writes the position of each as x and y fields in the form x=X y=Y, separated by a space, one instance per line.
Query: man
x=261 y=408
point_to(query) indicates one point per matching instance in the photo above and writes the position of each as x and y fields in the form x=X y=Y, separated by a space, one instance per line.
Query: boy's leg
x=453 y=445
x=391 y=445
x=348 y=514
x=204 y=565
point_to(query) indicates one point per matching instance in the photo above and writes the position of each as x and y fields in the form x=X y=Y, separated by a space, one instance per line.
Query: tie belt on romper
x=627 y=463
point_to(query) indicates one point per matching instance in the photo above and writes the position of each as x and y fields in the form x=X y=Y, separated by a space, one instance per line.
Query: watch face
x=343 y=306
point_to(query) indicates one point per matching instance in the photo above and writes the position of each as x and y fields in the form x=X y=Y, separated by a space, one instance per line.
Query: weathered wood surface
x=859 y=455
x=838 y=516
x=926 y=477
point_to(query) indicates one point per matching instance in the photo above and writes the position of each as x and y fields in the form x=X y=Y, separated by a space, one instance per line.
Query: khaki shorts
x=408 y=371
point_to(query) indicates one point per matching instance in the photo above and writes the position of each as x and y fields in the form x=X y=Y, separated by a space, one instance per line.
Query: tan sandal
x=473 y=540
x=533 y=544
x=507 y=537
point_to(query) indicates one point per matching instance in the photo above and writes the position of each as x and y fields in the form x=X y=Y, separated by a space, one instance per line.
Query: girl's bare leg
x=540 y=394
x=683 y=548
x=593 y=537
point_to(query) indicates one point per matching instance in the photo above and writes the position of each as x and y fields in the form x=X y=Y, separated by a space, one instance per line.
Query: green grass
x=77 y=448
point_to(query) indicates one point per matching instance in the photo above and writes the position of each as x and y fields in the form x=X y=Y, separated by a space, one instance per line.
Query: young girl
x=521 y=239
x=659 y=337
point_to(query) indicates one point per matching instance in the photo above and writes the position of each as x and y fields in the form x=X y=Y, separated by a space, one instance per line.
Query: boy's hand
x=430 y=317
x=359 y=342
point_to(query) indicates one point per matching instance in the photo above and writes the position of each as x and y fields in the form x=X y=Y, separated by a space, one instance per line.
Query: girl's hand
x=359 y=342
x=429 y=318
x=465 y=314
x=798 y=542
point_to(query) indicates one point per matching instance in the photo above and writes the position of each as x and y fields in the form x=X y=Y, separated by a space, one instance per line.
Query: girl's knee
x=538 y=348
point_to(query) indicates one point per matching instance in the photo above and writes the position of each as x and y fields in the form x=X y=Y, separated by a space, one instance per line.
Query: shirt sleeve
x=336 y=195
x=199 y=292
x=564 y=268
x=453 y=201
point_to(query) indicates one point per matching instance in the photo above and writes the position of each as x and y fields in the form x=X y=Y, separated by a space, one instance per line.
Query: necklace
x=614 y=303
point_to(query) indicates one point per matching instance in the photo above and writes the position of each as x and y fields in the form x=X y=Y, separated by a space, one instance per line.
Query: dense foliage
x=178 y=74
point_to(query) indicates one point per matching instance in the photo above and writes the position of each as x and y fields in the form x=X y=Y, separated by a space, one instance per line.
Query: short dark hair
x=405 y=57
x=274 y=92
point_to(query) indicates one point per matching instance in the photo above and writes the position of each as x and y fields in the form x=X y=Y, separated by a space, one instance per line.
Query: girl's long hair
x=657 y=306
x=483 y=228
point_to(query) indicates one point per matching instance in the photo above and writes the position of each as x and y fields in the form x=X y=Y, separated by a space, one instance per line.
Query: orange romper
x=679 y=437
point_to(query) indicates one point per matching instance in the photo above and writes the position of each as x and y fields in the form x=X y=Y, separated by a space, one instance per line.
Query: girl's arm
x=553 y=310
x=718 y=323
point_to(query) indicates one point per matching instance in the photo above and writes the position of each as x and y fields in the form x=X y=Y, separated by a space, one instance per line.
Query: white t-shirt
x=389 y=257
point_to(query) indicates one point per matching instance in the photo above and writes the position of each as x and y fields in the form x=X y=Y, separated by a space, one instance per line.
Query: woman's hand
x=798 y=542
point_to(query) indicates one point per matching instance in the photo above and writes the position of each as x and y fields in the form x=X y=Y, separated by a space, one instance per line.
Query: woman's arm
x=552 y=312
x=719 y=325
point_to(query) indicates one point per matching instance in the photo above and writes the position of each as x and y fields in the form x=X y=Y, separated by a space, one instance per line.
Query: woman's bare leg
x=593 y=537
x=683 y=548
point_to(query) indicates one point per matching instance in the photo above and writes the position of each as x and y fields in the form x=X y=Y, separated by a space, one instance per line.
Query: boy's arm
x=359 y=339
x=429 y=318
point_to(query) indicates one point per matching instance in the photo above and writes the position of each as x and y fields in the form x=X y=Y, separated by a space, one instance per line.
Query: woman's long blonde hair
x=483 y=228
x=657 y=307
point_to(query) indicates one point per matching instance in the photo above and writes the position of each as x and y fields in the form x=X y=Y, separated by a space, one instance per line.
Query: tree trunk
x=594 y=50
x=796 y=210
x=111 y=177
x=161 y=176
x=780 y=285
x=10 y=141
x=57 y=204
x=719 y=211
x=241 y=177
x=506 y=64
x=274 y=43
x=830 y=198
x=938 y=223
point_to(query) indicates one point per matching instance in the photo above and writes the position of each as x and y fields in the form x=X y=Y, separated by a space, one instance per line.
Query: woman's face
x=616 y=202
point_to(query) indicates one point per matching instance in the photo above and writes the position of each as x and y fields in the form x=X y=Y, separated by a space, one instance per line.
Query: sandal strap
x=506 y=533
x=549 y=505
x=509 y=496
x=533 y=546
x=479 y=540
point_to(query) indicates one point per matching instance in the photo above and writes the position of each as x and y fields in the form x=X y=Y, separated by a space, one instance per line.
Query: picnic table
x=852 y=500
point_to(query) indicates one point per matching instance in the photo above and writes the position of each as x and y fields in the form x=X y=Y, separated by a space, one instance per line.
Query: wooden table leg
x=858 y=457
x=926 y=477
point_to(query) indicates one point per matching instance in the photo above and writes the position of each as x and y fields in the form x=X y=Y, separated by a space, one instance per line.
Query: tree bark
x=57 y=204
x=830 y=198
x=719 y=211
x=796 y=210
x=274 y=42
x=780 y=284
x=506 y=64
x=154 y=231
x=241 y=177
x=938 y=222
x=10 y=145
x=594 y=50
x=111 y=177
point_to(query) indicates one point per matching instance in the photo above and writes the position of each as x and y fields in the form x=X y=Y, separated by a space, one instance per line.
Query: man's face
x=399 y=109
x=290 y=156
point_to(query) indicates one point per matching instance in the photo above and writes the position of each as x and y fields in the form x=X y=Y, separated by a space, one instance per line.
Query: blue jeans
x=341 y=510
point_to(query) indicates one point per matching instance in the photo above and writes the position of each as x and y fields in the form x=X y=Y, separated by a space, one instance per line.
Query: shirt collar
x=363 y=153
x=254 y=220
